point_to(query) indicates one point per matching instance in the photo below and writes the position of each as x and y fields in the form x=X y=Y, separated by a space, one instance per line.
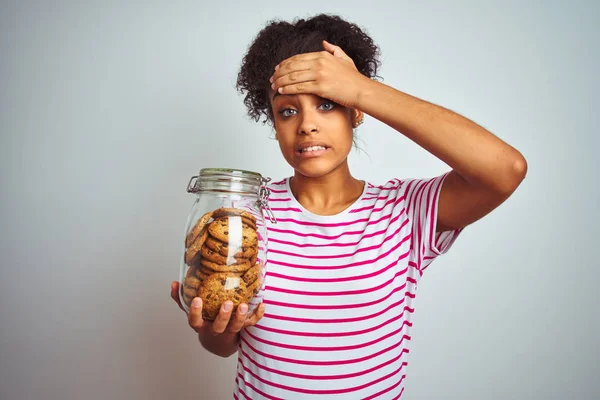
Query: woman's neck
x=329 y=194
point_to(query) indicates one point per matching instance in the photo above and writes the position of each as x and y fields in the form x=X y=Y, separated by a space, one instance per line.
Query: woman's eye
x=327 y=106
x=288 y=112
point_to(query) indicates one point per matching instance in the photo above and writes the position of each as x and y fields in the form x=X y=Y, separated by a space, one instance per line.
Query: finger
x=294 y=78
x=335 y=50
x=237 y=322
x=293 y=67
x=303 y=87
x=258 y=314
x=175 y=293
x=301 y=57
x=220 y=323
x=195 y=315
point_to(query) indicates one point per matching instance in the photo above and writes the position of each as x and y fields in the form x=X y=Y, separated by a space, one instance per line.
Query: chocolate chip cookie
x=239 y=267
x=253 y=274
x=193 y=252
x=224 y=249
x=218 y=288
x=197 y=229
x=243 y=235
x=217 y=258
x=223 y=212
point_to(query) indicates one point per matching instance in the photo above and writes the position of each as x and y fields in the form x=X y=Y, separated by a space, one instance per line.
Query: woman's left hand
x=330 y=74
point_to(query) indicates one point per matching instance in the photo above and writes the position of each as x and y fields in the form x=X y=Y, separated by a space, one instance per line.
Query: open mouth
x=312 y=149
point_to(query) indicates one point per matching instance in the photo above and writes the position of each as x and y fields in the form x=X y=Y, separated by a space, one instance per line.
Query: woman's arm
x=485 y=169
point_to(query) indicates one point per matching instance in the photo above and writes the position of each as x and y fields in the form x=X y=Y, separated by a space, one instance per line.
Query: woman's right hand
x=223 y=323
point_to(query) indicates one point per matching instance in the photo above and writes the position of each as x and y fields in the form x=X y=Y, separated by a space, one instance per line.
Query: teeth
x=312 y=148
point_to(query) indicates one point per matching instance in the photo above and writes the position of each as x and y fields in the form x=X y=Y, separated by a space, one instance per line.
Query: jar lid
x=230 y=172
x=236 y=181
x=226 y=179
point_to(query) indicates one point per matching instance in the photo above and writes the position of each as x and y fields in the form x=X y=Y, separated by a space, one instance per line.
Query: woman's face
x=314 y=134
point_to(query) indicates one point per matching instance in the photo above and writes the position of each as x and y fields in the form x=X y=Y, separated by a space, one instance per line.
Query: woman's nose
x=308 y=124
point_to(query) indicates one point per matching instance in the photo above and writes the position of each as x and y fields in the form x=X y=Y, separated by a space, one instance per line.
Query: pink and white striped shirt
x=339 y=295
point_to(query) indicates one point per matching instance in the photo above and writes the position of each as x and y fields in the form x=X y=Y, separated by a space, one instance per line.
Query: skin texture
x=318 y=98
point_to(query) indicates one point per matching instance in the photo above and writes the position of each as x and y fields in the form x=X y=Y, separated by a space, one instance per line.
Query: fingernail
x=273 y=86
x=227 y=306
x=276 y=67
x=271 y=79
x=243 y=308
x=197 y=302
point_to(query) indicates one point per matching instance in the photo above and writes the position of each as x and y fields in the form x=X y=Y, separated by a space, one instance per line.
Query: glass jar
x=225 y=246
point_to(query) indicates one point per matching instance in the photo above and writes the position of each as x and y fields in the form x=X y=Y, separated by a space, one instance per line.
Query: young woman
x=346 y=255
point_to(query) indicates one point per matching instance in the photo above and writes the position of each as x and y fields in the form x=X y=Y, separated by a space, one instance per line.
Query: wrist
x=222 y=345
x=365 y=89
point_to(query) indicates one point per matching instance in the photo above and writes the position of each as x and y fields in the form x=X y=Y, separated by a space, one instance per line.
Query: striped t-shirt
x=339 y=294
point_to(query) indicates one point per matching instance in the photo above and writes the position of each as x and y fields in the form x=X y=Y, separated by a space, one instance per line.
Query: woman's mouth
x=311 y=151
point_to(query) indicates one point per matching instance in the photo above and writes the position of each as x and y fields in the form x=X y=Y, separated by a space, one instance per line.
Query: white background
x=108 y=108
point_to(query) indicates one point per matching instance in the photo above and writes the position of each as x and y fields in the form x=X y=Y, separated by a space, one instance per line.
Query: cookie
x=197 y=229
x=239 y=267
x=252 y=289
x=218 y=288
x=191 y=281
x=191 y=271
x=220 y=229
x=217 y=258
x=188 y=299
x=190 y=291
x=252 y=274
x=244 y=220
x=202 y=274
x=224 y=249
x=223 y=212
x=193 y=252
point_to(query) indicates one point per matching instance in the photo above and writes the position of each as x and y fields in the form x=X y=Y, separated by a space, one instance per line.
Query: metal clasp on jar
x=191 y=188
x=264 y=199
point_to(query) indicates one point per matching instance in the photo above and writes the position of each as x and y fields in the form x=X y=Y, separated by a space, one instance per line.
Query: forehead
x=276 y=95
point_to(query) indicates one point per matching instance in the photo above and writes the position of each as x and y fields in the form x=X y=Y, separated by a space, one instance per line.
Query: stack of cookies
x=222 y=251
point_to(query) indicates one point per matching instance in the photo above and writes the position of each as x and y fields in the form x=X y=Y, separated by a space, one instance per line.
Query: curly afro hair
x=280 y=40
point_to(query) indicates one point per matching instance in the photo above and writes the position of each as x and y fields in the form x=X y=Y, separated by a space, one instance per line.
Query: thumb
x=335 y=50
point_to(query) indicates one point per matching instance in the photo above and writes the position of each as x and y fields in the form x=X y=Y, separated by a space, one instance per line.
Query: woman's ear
x=358 y=118
x=274 y=133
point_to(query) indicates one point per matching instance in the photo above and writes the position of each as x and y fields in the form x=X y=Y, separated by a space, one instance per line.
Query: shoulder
x=391 y=188
x=408 y=186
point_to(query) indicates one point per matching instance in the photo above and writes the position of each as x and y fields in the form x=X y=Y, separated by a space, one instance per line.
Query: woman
x=345 y=256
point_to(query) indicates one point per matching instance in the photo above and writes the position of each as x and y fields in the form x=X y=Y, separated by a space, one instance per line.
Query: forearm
x=473 y=152
x=223 y=345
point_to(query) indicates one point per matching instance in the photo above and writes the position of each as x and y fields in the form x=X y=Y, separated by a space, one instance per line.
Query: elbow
x=515 y=173
x=223 y=353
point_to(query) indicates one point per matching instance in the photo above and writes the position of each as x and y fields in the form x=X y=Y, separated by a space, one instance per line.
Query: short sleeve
x=421 y=199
